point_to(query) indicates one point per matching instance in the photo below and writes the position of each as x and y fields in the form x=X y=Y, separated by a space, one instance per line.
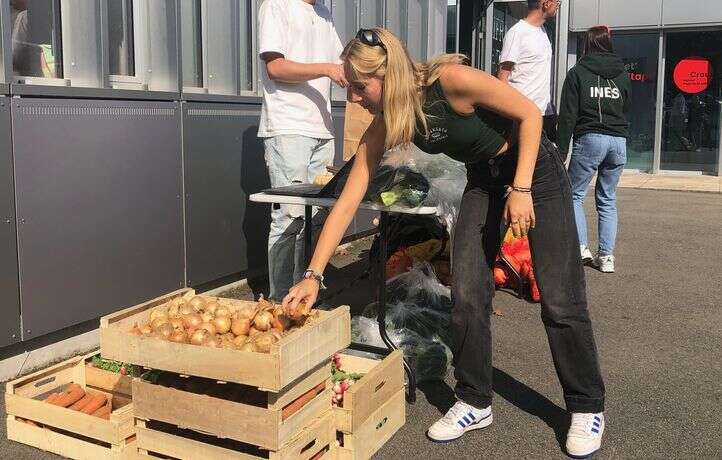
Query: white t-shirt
x=529 y=49
x=303 y=33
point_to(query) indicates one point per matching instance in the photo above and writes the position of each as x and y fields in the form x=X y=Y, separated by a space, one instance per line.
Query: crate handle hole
x=379 y=386
x=309 y=445
x=44 y=382
x=382 y=423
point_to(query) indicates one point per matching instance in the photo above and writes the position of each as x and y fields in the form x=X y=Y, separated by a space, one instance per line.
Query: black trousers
x=559 y=273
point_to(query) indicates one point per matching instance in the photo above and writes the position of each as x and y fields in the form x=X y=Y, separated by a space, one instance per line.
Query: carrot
x=296 y=405
x=50 y=399
x=73 y=394
x=104 y=412
x=94 y=404
x=80 y=404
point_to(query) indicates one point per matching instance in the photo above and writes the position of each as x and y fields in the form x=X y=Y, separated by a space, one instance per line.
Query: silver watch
x=310 y=274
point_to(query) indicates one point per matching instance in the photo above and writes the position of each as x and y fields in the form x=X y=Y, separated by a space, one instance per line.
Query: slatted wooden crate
x=293 y=356
x=157 y=440
x=241 y=413
x=374 y=408
x=64 y=431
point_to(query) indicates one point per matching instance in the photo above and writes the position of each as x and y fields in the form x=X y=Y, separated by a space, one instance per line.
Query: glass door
x=692 y=102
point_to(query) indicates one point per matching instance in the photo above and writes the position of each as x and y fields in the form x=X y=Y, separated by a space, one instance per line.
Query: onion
x=208 y=327
x=179 y=337
x=177 y=323
x=199 y=336
x=248 y=346
x=222 y=310
x=207 y=317
x=211 y=307
x=264 y=341
x=192 y=321
x=146 y=330
x=228 y=344
x=246 y=311
x=281 y=322
x=222 y=324
x=264 y=304
x=262 y=321
x=241 y=326
x=160 y=312
x=197 y=303
x=172 y=309
x=164 y=331
x=252 y=332
x=212 y=342
x=240 y=340
x=185 y=309
x=158 y=322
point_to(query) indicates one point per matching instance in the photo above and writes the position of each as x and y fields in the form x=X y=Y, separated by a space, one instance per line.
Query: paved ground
x=658 y=324
x=711 y=184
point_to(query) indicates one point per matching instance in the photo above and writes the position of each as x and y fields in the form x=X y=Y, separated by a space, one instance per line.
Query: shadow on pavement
x=439 y=394
x=532 y=403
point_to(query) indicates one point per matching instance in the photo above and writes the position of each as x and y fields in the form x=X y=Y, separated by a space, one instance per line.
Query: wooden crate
x=382 y=380
x=64 y=431
x=290 y=358
x=315 y=442
x=260 y=420
x=380 y=426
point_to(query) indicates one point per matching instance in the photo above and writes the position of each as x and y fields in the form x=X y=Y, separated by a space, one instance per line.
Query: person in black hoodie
x=595 y=99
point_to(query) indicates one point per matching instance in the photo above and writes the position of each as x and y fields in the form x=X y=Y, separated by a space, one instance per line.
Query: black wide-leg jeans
x=558 y=270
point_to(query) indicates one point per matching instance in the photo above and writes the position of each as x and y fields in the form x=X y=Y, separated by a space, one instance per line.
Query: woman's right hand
x=301 y=298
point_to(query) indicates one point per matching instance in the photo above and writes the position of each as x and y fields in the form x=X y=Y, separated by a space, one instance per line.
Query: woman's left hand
x=519 y=213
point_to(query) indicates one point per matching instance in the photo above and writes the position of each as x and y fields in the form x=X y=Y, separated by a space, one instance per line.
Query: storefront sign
x=693 y=75
x=636 y=69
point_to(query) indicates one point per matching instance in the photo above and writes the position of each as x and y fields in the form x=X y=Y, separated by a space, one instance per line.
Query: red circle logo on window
x=693 y=74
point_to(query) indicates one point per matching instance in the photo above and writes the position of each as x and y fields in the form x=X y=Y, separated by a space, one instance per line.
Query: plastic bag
x=398 y=186
x=428 y=357
x=421 y=287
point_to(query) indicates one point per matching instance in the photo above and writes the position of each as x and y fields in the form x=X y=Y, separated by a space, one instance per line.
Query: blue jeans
x=606 y=156
x=291 y=159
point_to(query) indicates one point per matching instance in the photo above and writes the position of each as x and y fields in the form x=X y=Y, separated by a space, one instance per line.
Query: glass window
x=506 y=15
x=640 y=55
x=121 y=43
x=371 y=13
x=693 y=89
x=246 y=46
x=36 y=38
x=191 y=43
x=451 y=26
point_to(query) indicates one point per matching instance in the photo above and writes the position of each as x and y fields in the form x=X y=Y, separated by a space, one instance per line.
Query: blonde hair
x=404 y=82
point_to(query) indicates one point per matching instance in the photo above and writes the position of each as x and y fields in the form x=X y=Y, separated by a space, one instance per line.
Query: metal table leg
x=381 y=317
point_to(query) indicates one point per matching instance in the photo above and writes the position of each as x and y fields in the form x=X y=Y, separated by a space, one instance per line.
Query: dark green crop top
x=466 y=138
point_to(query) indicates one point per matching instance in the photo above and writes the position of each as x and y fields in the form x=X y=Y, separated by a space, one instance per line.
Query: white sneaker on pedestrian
x=605 y=264
x=458 y=420
x=586 y=254
x=584 y=437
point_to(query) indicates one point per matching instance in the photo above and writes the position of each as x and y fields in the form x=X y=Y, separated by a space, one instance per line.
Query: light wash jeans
x=606 y=156
x=292 y=159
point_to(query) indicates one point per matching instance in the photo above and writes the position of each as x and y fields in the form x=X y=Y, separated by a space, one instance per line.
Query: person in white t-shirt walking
x=526 y=60
x=300 y=50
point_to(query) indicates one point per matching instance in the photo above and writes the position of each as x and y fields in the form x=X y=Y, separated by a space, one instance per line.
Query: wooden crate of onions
x=251 y=343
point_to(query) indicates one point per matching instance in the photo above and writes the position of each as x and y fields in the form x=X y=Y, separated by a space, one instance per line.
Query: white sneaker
x=605 y=264
x=586 y=254
x=458 y=420
x=585 y=434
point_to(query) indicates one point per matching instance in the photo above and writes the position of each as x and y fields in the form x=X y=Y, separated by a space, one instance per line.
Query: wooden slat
x=28 y=384
x=307 y=347
x=120 y=317
x=256 y=369
x=63 y=444
x=63 y=418
x=377 y=386
x=299 y=386
x=108 y=381
x=314 y=438
x=377 y=429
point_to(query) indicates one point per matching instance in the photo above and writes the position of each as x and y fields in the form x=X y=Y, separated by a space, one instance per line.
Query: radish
x=337 y=388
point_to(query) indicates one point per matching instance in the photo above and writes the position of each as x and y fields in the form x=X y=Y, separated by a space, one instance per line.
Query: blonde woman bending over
x=515 y=178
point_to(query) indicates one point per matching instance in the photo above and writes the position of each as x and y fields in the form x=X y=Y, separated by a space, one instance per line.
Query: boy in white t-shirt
x=301 y=51
x=526 y=59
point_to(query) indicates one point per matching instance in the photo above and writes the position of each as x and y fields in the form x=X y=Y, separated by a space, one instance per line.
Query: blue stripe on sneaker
x=597 y=418
x=597 y=424
x=472 y=416
x=461 y=423
x=595 y=430
x=466 y=419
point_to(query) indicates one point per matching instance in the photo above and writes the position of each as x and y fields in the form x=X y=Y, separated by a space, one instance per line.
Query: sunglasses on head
x=369 y=37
